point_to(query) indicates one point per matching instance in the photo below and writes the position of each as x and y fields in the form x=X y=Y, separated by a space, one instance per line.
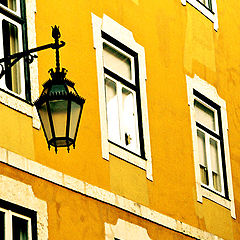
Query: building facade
x=157 y=148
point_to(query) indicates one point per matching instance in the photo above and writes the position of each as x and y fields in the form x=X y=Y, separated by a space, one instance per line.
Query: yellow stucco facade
x=86 y=194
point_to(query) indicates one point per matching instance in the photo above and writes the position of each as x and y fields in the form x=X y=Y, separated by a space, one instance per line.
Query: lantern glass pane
x=43 y=113
x=74 y=117
x=58 y=88
x=59 y=116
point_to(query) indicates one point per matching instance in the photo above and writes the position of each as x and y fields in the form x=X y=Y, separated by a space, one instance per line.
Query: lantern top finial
x=56 y=32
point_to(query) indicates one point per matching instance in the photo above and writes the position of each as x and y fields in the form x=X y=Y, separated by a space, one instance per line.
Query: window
x=210 y=144
x=17 y=223
x=122 y=94
x=18 y=33
x=122 y=97
x=211 y=155
x=207 y=4
x=207 y=7
x=13 y=40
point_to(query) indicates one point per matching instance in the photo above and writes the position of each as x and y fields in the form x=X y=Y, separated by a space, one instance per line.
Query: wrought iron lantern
x=59 y=106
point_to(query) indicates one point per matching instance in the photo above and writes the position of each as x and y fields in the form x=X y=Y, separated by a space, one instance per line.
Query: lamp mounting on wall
x=59 y=106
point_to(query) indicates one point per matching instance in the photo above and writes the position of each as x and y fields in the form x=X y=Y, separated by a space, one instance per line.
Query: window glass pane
x=112 y=111
x=11 y=46
x=129 y=120
x=203 y=1
x=207 y=3
x=204 y=115
x=202 y=157
x=2 y=224
x=116 y=61
x=215 y=164
x=19 y=228
x=9 y=3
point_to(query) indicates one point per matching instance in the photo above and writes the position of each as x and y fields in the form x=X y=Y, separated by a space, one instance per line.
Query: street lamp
x=59 y=106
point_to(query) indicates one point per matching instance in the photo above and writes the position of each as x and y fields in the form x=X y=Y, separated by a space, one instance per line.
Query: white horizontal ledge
x=100 y=194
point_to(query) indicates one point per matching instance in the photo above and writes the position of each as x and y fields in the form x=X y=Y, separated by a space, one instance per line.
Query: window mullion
x=30 y=230
x=208 y=156
x=8 y=225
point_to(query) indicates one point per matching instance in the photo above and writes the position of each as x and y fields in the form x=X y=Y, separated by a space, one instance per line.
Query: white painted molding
x=31 y=10
x=212 y=16
x=125 y=36
x=74 y=184
x=22 y=194
x=124 y=230
x=210 y=92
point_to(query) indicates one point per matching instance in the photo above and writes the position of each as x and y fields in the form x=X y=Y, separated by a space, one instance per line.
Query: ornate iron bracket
x=9 y=61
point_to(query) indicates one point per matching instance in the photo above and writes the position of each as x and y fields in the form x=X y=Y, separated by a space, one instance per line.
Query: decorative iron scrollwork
x=31 y=57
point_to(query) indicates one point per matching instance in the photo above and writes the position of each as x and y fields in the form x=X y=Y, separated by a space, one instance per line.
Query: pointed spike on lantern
x=49 y=147
x=56 y=150
x=68 y=149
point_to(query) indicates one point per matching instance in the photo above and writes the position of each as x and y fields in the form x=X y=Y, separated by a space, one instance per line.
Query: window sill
x=127 y=156
x=20 y=105
x=214 y=192
x=217 y=199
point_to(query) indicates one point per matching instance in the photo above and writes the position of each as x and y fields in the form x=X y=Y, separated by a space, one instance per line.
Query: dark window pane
x=2 y=225
x=9 y=3
x=10 y=44
x=20 y=228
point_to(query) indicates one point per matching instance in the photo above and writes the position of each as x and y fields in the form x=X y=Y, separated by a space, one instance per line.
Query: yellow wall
x=178 y=40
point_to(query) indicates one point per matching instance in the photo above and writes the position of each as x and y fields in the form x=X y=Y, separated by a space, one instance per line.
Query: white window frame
x=20 y=49
x=13 y=100
x=124 y=36
x=8 y=189
x=8 y=214
x=205 y=191
x=210 y=14
x=124 y=230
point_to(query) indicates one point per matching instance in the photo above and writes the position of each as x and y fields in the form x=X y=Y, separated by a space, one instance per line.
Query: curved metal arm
x=28 y=53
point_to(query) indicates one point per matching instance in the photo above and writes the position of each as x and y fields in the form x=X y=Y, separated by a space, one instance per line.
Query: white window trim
x=212 y=16
x=8 y=223
x=8 y=189
x=10 y=100
x=21 y=63
x=210 y=92
x=124 y=36
x=124 y=230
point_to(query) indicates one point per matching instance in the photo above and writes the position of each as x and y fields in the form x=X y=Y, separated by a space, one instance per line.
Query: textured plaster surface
x=96 y=193
x=21 y=194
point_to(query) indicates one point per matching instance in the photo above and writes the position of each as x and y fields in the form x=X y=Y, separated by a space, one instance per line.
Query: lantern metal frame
x=58 y=77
